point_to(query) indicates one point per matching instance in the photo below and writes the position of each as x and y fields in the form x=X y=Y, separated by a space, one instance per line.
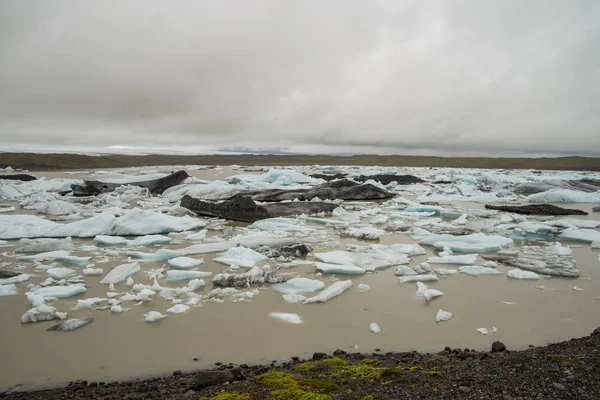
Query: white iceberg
x=299 y=286
x=159 y=255
x=371 y=260
x=59 y=273
x=417 y=278
x=15 y=279
x=334 y=290
x=364 y=233
x=519 y=274
x=200 y=235
x=373 y=327
x=184 y=262
x=8 y=290
x=147 y=240
x=120 y=273
x=286 y=317
x=423 y=291
x=173 y=276
x=363 y=287
x=443 y=316
x=454 y=259
x=444 y=271
x=339 y=269
x=92 y=271
x=58 y=292
x=475 y=270
x=59 y=255
x=279 y=224
x=153 y=316
x=580 y=235
x=88 y=303
x=178 y=309
x=294 y=298
x=240 y=256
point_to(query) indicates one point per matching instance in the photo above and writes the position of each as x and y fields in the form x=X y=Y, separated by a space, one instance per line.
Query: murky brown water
x=120 y=346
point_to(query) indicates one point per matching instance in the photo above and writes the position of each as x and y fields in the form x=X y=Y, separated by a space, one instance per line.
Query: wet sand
x=117 y=347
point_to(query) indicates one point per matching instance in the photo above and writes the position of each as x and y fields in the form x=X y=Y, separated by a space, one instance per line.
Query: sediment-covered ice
x=333 y=290
x=519 y=274
x=256 y=275
x=241 y=257
x=251 y=240
x=120 y=273
x=339 y=269
x=299 y=286
x=46 y=245
x=364 y=233
x=42 y=312
x=286 y=317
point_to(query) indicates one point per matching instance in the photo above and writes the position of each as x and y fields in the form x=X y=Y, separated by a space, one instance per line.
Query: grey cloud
x=466 y=75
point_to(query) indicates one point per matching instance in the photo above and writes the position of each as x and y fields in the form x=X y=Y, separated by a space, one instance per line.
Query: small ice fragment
x=510 y=303
x=577 y=289
x=153 y=316
x=299 y=286
x=494 y=329
x=427 y=293
x=443 y=316
x=363 y=287
x=483 y=331
x=519 y=274
x=539 y=287
x=334 y=290
x=178 y=309
x=59 y=273
x=92 y=271
x=294 y=298
x=184 y=262
x=176 y=275
x=286 y=317
x=445 y=271
x=417 y=278
x=118 y=309
x=373 y=327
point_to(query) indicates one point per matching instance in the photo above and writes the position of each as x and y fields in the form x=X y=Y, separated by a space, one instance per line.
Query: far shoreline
x=59 y=162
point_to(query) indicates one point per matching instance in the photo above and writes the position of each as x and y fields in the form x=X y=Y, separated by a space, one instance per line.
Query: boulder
x=498 y=347
x=205 y=379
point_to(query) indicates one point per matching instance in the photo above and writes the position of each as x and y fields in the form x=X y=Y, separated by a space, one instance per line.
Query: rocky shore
x=566 y=370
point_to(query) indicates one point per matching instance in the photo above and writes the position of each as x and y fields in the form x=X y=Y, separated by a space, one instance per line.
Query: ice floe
x=333 y=290
x=241 y=257
x=286 y=317
x=184 y=262
x=120 y=273
x=173 y=276
x=424 y=291
x=443 y=316
x=475 y=270
x=519 y=274
x=374 y=328
x=299 y=286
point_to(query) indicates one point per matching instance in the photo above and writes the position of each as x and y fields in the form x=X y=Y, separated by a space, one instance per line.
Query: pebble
x=465 y=389
x=558 y=386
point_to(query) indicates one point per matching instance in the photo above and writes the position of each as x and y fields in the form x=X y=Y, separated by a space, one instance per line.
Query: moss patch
x=228 y=396
x=327 y=363
x=322 y=385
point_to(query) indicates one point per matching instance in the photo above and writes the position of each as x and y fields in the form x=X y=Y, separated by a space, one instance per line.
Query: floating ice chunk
x=330 y=244
x=195 y=284
x=333 y=290
x=59 y=273
x=8 y=290
x=15 y=279
x=444 y=271
x=364 y=233
x=473 y=243
x=42 y=312
x=417 y=278
x=371 y=260
x=219 y=292
x=294 y=298
x=339 y=269
x=118 y=309
x=461 y=259
x=443 y=316
x=240 y=256
x=577 y=289
x=483 y=331
x=510 y=303
x=519 y=274
x=581 y=235
x=129 y=282
x=178 y=309
x=286 y=317
x=30 y=226
x=145 y=295
x=200 y=235
x=423 y=291
x=251 y=240
x=58 y=255
x=47 y=245
x=246 y=295
x=363 y=287
x=140 y=222
x=173 y=276
x=71 y=324
x=88 y=303
x=92 y=271
x=185 y=262
x=120 y=273
x=299 y=286
x=490 y=264
x=147 y=240
x=59 y=292
x=564 y=196
x=153 y=316
x=596 y=244
x=35 y=299
x=462 y=220
x=279 y=224
x=404 y=270
x=160 y=255
x=475 y=270
x=494 y=329
x=373 y=327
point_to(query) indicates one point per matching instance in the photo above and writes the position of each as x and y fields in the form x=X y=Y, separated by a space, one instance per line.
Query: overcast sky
x=421 y=76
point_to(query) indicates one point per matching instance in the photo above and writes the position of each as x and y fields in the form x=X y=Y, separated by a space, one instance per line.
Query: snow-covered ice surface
x=127 y=257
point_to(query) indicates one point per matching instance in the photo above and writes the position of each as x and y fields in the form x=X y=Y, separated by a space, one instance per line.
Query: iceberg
x=147 y=240
x=286 y=317
x=339 y=269
x=173 y=276
x=519 y=274
x=15 y=279
x=139 y=222
x=46 y=245
x=580 y=235
x=417 y=278
x=153 y=316
x=299 y=286
x=423 y=291
x=88 y=303
x=294 y=298
x=184 y=262
x=333 y=290
x=372 y=260
x=373 y=327
x=60 y=255
x=473 y=243
x=444 y=271
x=564 y=196
x=8 y=290
x=178 y=309
x=159 y=255
x=443 y=316
x=92 y=271
x=120 y=273
x=475 y=270
x=365 y=233
x=42 y=312
x=200 y=235
x=59 y=273
x=252 y=240
x=240 y=256
x=58 y=292
x=460 y=259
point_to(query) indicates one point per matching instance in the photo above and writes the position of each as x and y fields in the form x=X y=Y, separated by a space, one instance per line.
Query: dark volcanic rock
x=212 y=378
x=498 y=347
x=386 y=179
x=19 y=177
x=243 y=208
x=155 y=186
x=328 y=177
x=343 y=189
x=537 y=209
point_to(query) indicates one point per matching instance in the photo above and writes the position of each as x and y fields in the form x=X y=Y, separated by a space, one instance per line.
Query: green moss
x=322 y=385
x=276 y=380
x=369 y=397
x=295 y=393
x=415 y=369
x=387 y=373
x=315 y=396
x=433 y=373
x=329 y=363
x=228 y=396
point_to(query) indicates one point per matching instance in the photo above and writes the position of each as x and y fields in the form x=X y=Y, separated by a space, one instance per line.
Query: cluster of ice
x=280 y=224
